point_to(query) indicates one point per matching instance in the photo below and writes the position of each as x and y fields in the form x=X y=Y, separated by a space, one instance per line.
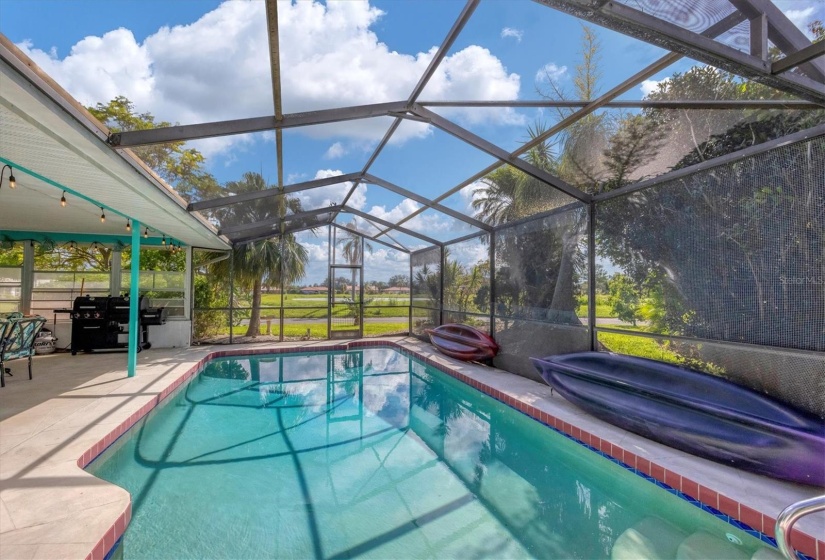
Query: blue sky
x=193 y=61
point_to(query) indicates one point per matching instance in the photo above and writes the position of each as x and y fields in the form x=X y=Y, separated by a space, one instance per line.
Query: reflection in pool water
x=372 y=453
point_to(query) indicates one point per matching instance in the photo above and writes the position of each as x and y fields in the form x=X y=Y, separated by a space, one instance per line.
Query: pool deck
x=76 y=406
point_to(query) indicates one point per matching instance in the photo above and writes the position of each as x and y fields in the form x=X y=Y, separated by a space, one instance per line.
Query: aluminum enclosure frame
x=609 y=14
x=767 y=23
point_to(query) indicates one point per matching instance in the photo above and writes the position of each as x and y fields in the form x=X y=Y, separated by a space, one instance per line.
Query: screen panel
x=734 y=253
x=791 y=376
x=426 y=289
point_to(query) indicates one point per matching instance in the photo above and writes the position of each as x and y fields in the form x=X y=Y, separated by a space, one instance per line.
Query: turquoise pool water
x=370 y=453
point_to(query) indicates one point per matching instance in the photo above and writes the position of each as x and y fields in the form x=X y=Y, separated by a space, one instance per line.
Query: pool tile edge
x=758 y=524
x=670 y=480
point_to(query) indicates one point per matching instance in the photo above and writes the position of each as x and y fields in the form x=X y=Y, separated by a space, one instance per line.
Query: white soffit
x=40 y=135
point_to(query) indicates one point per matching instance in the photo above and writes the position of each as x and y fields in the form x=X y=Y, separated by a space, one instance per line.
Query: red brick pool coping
x=759 y=521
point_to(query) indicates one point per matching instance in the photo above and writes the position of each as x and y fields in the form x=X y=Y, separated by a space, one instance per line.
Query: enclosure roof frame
x=767 y=23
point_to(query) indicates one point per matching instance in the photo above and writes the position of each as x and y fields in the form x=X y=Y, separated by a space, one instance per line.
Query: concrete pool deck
x=76 y=406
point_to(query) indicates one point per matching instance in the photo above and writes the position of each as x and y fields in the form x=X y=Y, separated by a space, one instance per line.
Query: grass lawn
x=319 y=329
x=639 y=346
x=295 y=306
x=602 y=307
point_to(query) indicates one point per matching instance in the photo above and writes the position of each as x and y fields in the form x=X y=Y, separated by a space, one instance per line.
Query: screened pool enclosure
x=686 y=226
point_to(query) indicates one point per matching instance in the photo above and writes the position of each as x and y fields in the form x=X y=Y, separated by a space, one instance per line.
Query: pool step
x=653 y=538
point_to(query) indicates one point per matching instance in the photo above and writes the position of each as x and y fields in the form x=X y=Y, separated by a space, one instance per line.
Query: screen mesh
x=467 y=276
x=426 y=278
x=735 y=253
x=540 y=289
x=476 y=320
x=692 y=15
x=755 y=367
x=541 y=268
x=426 y=289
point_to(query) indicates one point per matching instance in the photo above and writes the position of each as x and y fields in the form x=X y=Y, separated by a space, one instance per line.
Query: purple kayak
x=692 y=411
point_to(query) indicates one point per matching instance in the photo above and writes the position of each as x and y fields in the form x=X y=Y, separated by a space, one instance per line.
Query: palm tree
x=353 y=246
x=508 y=194
x=269 y=262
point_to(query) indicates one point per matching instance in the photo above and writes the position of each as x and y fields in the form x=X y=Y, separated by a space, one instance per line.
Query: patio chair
x=17 y=334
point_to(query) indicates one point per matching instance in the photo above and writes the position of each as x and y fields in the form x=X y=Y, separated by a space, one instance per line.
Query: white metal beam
x=240 y=228
x=442 y=51
x=371 y=218
x=783 y=32
x=256 y=124
x=397 y=247
x=426 y=202
x=246 y=197
x=649 y=71
x=690 y=104
x=793 y=60
x=500 y=153
x=648 y=28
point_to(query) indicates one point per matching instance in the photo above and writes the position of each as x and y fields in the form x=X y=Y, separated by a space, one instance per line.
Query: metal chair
x=17 y=334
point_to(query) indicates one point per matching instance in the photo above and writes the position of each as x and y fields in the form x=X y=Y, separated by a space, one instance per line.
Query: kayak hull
x=694 y=412
x=463 y=342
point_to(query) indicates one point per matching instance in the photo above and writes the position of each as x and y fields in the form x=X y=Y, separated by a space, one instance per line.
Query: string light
x=102 y=215
x=128 y=224
x=146 y=234
x=63 y=200
x=12 y=180
x=163 y=242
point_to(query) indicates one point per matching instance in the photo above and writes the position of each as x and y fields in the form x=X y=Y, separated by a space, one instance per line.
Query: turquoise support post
x=134 y=296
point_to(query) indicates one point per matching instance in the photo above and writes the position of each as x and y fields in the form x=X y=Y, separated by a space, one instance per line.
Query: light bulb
x=128 y=224
x=146 y=234
x=63 y=200
x=102 y=215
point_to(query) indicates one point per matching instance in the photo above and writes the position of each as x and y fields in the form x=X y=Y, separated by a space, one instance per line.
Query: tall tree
x=181 y=167
x=547 y=258
x=269 y=262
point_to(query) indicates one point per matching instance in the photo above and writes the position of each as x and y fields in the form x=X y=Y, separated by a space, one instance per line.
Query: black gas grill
x=102 y=323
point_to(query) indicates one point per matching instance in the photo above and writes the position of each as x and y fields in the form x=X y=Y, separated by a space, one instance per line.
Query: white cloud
x=325 y=196
x=335 y=151
x=551 y=72
x=402 y=210
x=470 y=253
x=468 y=196
x=216 y=69
x=800 y=18
x=318 y=251
x=649 y=86
x=516 y=34
x=431 y=223
x=474 y=74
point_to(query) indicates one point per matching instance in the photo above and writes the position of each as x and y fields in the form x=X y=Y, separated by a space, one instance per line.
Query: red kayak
x=463 y=342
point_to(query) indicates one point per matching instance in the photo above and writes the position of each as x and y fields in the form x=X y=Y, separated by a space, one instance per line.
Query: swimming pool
x=373 y=453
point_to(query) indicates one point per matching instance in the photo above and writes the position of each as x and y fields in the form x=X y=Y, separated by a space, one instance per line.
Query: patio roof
x=57 y=149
